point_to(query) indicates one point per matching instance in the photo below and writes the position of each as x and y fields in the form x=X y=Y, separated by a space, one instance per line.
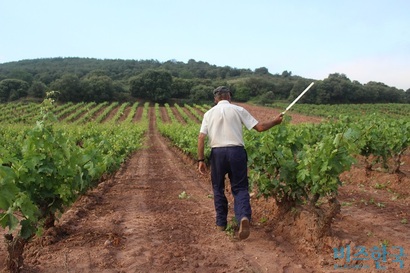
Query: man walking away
x=223 y=124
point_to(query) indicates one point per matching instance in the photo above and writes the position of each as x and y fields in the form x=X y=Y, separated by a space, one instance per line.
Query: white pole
x=293 y=102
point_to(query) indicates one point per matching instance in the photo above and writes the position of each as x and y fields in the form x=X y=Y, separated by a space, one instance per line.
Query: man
x=222 y=124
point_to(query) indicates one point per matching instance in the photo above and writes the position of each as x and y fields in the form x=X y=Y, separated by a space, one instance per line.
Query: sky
x=367 y=40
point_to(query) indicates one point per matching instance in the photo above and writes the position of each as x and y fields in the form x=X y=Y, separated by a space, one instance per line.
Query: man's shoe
x=221 y=228
x=244 y=228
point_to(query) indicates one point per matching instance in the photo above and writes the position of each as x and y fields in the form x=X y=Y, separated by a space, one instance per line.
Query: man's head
x=222 y=93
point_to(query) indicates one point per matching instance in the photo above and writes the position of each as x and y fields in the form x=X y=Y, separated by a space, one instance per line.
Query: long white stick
x=296 y=100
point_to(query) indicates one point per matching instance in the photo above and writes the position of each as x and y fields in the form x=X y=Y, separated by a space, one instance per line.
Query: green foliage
x=12 y=201
x=181 y=88
x=12 y=89
x=184 y=136
x=69 y=88
x=37 y=90
x=201 y=92
x=98 y=88
x=384 y=138
x=261 y=71
x=154 y=85
x=52 y=164
x=83 y=79
x=300 y=163
x=242 y=93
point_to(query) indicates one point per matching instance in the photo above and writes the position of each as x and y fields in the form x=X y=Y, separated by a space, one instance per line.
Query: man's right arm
x=201 y=153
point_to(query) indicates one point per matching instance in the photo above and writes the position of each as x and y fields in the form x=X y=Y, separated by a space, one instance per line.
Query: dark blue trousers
x=231 y=161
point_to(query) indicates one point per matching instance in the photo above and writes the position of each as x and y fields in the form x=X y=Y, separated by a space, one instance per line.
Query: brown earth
x=156 y=215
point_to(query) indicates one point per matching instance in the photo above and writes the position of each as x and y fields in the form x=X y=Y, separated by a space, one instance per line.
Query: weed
x=294 y=211
x=380 y=205
x=384 y=243
x=183 y=195
x=263 y=220
x=395 y=196
x=378 y=186
x=231 y=227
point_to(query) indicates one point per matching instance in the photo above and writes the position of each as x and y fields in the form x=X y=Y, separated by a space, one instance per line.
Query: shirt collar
x=223 y=102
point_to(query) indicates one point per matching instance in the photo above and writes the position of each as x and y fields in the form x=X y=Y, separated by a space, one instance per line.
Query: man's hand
x=278 y=119
x=201 y=167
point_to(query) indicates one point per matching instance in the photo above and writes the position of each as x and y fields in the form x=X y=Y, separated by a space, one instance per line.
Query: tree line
x=88 y=79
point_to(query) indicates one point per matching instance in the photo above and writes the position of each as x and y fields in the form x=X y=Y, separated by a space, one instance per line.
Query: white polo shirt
x=223 y=124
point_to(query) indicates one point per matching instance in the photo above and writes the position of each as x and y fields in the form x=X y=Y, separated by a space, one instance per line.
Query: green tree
x=359 y=93
x=37 y=90
x=181 y=88
x=298 y=88
x=261 y=71
x=98 y=88
x=20 y=74
x=201 y=93
x=339 y=88
x=69 y=88
x=266 y=98
x=258 y=85
x=121 y=93
x=13 y=89
x=282 y=89
x=242 y=93
x=154 y=85
x=286 y=74
x=336 y=88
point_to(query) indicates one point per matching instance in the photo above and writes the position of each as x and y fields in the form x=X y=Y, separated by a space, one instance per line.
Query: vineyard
x=340 y=177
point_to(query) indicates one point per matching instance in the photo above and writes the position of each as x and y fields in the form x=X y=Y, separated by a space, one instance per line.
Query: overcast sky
x=367 y=40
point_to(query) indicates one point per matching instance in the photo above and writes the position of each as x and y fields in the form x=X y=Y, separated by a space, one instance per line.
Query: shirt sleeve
x=204 y=125
x=247 y=119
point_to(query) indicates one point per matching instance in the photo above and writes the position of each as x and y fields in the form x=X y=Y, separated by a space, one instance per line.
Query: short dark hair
x=221 y=90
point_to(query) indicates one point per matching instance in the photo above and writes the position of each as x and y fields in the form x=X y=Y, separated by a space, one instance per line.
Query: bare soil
x=136 y=221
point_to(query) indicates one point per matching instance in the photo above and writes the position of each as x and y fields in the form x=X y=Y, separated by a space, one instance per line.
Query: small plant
x=380 y=205
x=231 y=227
x=404 y=221
x=230 y=230
x=183 y=195
x=384 y=243
x=294 y=210
x=263 y=220
x=395 y=196
x=378 y=186
x=381 y=186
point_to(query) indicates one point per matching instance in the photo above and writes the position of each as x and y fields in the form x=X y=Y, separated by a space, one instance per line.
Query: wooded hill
x=87 y=79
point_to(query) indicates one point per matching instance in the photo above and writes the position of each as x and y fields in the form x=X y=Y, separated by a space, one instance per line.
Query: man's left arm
x=263 y=126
